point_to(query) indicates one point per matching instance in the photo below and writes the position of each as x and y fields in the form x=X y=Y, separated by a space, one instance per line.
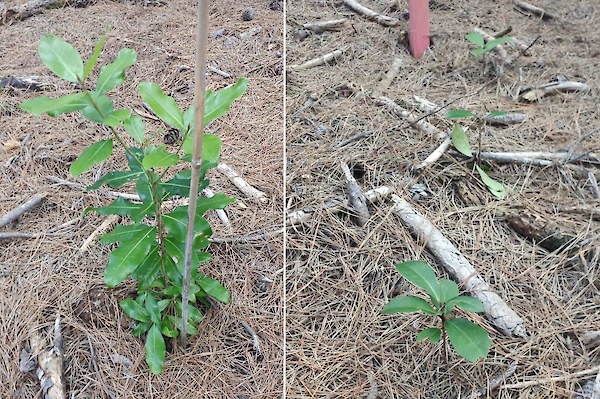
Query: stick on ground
x=356 y=198
x=240 y=183
x=422 y=125
x=536 y=10
x=13 y=215
x=319 y=27
x=321 y=60
x=50 y=361
x=370 y=14
x=497 y=311
x=255 y=341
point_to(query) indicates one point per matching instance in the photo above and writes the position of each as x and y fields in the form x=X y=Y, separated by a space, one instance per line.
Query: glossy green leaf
x=94 y=154
x=218 y=201
x=132 y=161
x=495 y=187
x=175 y=276
x=160 y=160
x=122 y=232
x=476 y=38
x=448 y=290
x=155 y=349
x=179 y=184
x=149 y=270
x=134 y=310
x=135 y=127
x=421 y=275
x=114 y=119
x=494 y=114
x=167 y=327
x=468 y=303
x=176 y=223
x=458 y=114
x=162 y=105
x=214 y=288
x=408 y=304
x=61 y=58
x=113 y=74
x=97 y=49
x=217 y=104
x=211 y=147
x=152 y=308
x=128 y=256
x=194 y=315
x=175 y=248
x=162 y=304
x=104 y=104
x=143 y=189
x=141 y=328
x=54 y=107
x=460 y=141
x=468 y=339
x=434 y=335
x=114 y=179
x=120 y=206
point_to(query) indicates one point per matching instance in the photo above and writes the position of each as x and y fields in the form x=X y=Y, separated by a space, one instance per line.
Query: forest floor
x=46 y=275
x=339 y=275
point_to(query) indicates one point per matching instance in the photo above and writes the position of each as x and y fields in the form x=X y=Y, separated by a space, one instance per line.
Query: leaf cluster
x=468 y=339
x=482 y=46
x=151 y=248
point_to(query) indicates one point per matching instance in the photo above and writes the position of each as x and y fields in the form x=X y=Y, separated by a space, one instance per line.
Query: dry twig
x=370 y=14
x=356 y=198
x=255 y=341
x=385 y=83
x=50 y=361
x=536 y=10
x=14 y=214
x=321 y=60
x=240 y=183
x=319 y=27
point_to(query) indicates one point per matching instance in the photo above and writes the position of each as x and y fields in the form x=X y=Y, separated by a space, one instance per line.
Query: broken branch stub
x=497 y=311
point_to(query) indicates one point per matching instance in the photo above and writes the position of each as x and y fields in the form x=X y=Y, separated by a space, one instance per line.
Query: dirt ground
x=340 y=275
x=45 y=276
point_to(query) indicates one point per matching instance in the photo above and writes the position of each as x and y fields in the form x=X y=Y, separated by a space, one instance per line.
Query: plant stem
x=160 y=227
x=200 y=79
x=444 y=339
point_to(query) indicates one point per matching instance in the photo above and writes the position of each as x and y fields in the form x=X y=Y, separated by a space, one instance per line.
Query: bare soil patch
x=340 y=275
x=46 y=276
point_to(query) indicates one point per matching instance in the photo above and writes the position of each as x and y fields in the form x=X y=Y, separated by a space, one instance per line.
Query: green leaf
x=492 y=44
x=218 y=201
x=122 y=232
x=131 y=161
x=495 y=187
x=114 y=179
x=407 y=304
x=162 y=105
x=494 y=114
x=194 y=314
x=468 y=339
x=176 y=222
x=180 y=184
x=113 y=74
x=175 y=276
x=460 y=141
x=94 y=154
x=214 y=289
x=120 y=206
x=152 y=308
x=160 y=160
x=476 y=38
x=149 y=270
x=104 y=104
x=61 y=58
x=167 y=327
x=211 y=147
x=162 y=304
x=468 y=303
x=155 y=349
x=135 y=127
x=54 y=107
x=134 y=310
x=141 y=328
x=175 y=248
x=479 y=51
x=421 y=275
x=434 y=335
x=92 y=62
x=459 y=113
x=142 y=187
x=114 y=119
x=128 y=256
x=448 y=290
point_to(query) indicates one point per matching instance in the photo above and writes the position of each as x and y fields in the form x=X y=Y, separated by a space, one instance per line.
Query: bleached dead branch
x=319 y=27
x=356 y=198
x=240 y=183
x=321 y=60
x=370 y=14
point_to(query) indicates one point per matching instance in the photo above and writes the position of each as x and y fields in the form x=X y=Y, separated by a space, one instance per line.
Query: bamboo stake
x=200 y=79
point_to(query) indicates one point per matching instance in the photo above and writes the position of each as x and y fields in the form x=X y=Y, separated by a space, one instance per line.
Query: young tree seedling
x=482 y=46
x=151 y=248
x=468 y=339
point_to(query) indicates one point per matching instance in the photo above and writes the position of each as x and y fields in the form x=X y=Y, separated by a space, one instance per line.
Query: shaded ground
x=46 y=275
x=339 y=275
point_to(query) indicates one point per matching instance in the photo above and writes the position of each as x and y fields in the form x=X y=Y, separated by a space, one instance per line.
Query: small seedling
x=482 y=46
x=468 y=339
x=151 y=248
x=460 y=141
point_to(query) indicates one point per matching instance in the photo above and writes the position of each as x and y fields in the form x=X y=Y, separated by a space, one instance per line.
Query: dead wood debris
x=537 y=92
x=218 y=71
x=540 y=12
x=567 y=377
x=26 y=83
x=370 y=14
x=355 y=196
x=435 y=155
x=106 y=224
x=14 y=214
x=422 y=125
x=320 y=27
x=208 y=193
x=591 y=338
x=497 y=311
x=50 y=361
x=385 y=83
x=321 y=60
x=494 y=383
x=499 y=49
x=240 y=183
x=28 y=9
x=255 y=341
x=349 y=140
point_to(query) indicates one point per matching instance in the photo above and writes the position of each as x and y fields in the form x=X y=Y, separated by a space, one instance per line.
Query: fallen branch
x=15 y=236
x=106 y=224
x=255 y=341
x=507 y=119
x=349 y=140
x=370 y=14
x=536 y=10
x=218 y=71
x=497 y=311
x=320 y=27
x=567 y=377
x=240 y=183
x=435 y=155
x=208 y=193
x=30 y=8
x=14 y=214
x=355 y=196
x=385 y=83
x=334 y=206
x=247 y=238
x=494 y=383
x=322 y=60
x=422 y=125
x=26 y=83
x=420 y=103
x=536 y=93
x=50 y=361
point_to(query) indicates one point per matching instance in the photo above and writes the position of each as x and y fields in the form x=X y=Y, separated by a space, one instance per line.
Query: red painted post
x=418 y=23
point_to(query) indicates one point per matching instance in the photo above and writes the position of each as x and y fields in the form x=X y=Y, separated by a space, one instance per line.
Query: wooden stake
x=418 y=23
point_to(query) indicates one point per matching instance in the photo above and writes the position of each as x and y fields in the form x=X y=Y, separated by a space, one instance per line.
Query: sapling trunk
x=200 y=78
